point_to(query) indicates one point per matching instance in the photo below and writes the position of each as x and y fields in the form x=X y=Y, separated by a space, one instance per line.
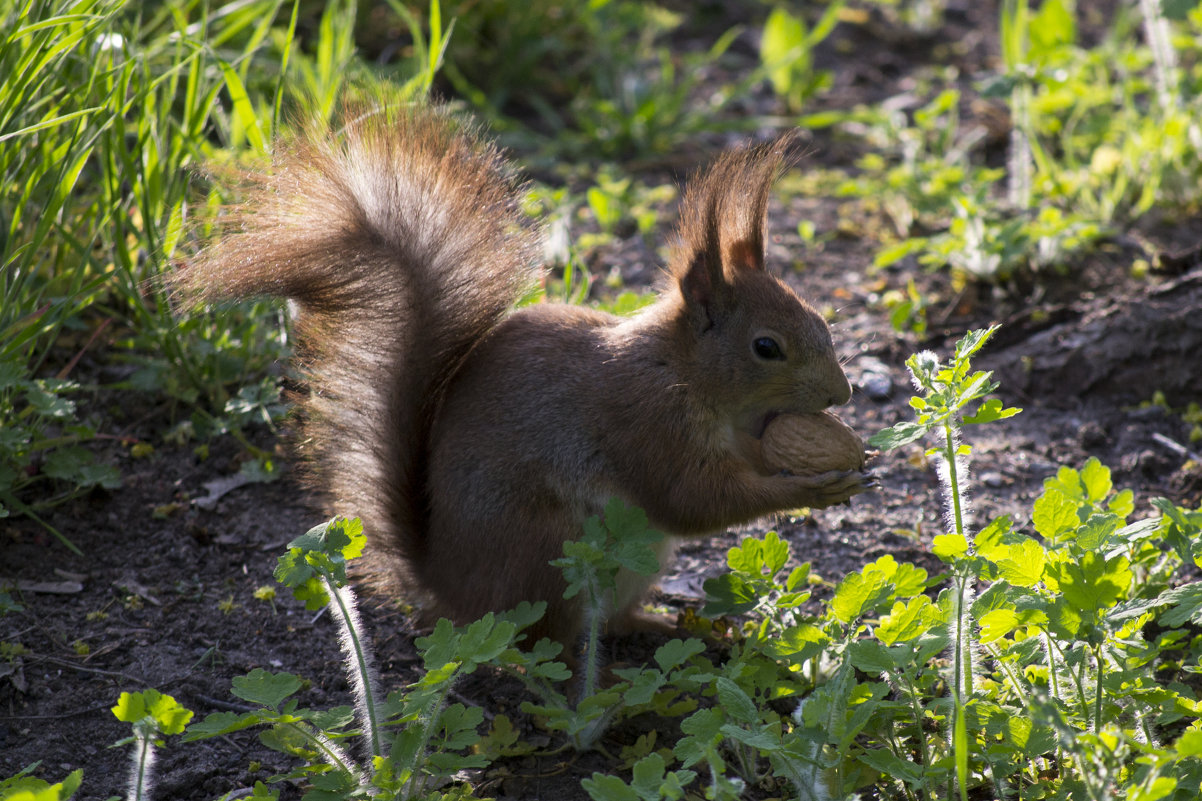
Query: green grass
x=109 y=112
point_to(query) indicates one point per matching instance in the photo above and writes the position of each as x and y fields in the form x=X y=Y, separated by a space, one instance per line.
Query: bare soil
x=163 y=595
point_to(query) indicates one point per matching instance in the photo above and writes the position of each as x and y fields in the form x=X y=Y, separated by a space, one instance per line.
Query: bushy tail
x=401 y=240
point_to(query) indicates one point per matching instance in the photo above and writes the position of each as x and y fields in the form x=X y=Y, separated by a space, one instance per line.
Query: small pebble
x=875 y=381
x=993 y=480
x=1093 y=435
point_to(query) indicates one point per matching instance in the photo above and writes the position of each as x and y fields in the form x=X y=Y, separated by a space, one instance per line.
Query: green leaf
x=1122 y=504
x=266 y=689
x=989 y=411
x=459 y=725
x=130 y=708
x=905 y=621
x=728 y=594
x=1161 y=787
x=525 y=614
x=168 y=716
x=949 y=547
x=871 y=657
x=1051 y=28
x=1096 y=531
x=503 y=740
x=244 y=111
x=996 y=624
x=906 y=578
x=675 y=653
x=781 y=45
x=889 y=764
x=608 y=788
x=1054 y=513
x=762 y=739
x=747 y=557
x=797 y=643
x=221 y=723
x=1185 y=605
x=1023 y=564
x=972 y=342
x=644 y=684
x=856 y=594
x=1095 y=478
x=485 y=639
x=438 y=648
x=891 y=254
x=898 y=435
x=340 y=538
x=1189 y=744
x=776 y=553
x=992 y=537
x=735 y=702
x=651 y=782
x=7 y=604
x=1095 y=582
x=23 y=787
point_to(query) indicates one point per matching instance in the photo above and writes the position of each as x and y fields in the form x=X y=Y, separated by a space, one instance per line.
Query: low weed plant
x=1098 y=137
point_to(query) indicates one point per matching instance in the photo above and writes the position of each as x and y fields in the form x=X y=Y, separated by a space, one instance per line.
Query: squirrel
x=474 y=438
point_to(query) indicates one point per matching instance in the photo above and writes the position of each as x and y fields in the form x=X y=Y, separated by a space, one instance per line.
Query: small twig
x=66 y=663
x=1176 y=447
x=63 y=373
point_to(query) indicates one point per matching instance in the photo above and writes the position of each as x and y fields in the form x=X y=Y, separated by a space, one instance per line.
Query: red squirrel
x=473 y=438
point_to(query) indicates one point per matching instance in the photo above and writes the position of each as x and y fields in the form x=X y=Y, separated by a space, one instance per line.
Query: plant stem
x=912 y=691
x=330 y=752
x=1008 y=669
x=143 y=759
x=359 y=661
x=416 y=786
x=953 y=477
x=596 y=604
x=961 y=662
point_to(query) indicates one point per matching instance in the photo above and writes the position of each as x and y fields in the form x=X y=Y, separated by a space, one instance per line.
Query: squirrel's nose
x=842 y=394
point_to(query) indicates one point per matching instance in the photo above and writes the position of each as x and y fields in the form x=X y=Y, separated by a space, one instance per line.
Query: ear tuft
x=724 y=212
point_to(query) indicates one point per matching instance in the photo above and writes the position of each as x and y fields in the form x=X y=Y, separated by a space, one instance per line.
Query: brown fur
x=472 y=440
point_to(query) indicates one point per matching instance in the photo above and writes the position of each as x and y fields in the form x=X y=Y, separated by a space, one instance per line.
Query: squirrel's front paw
x=834 y=487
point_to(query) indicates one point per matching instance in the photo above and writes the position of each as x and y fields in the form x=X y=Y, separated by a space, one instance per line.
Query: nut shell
x=810 y=444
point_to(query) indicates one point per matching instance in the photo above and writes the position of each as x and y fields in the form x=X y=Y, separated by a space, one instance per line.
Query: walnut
x=809 y=444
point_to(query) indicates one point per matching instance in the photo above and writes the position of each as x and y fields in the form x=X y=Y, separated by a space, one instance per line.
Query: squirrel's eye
x=766 y=348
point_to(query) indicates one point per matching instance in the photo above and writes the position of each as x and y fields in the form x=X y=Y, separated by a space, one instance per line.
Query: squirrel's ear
x=697 y=283
x=702 y=278
x=723 y=217
x=745 y=254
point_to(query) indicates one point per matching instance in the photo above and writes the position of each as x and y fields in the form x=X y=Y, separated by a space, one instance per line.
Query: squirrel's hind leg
x=479 y=564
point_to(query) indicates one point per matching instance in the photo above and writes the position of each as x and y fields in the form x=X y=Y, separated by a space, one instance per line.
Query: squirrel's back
x=401 y=240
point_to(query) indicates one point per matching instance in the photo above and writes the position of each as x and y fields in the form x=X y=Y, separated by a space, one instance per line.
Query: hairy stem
x=359 y=662
x=139 y=780
x=912 y=692
x=332 y=754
